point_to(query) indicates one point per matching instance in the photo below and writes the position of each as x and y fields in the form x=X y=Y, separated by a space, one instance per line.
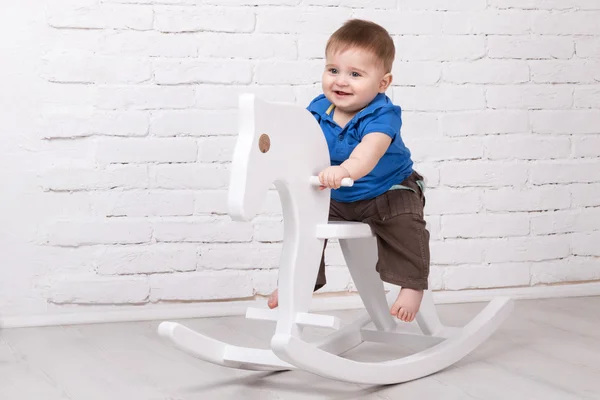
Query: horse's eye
x=264 y=143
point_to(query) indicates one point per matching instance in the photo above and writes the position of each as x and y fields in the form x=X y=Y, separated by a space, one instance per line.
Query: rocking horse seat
x=344 y=230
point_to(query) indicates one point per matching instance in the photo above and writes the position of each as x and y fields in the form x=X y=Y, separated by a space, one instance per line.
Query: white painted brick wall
x=121 y=185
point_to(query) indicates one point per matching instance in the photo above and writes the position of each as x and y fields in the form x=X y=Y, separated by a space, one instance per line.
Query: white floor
x=547 y=350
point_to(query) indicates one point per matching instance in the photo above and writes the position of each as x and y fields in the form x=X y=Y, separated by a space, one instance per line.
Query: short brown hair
x=365 y=35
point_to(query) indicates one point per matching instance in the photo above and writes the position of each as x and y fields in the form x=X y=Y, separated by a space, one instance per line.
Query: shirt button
x=341 y=137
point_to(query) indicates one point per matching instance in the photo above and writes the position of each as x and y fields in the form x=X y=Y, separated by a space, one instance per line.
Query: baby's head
x=359 y=58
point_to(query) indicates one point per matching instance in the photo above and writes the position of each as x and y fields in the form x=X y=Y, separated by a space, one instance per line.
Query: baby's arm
x=367 y=154
x=362 y=160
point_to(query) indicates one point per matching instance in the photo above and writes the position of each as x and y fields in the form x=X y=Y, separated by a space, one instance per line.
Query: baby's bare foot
x=407 y=304
x=273 y=299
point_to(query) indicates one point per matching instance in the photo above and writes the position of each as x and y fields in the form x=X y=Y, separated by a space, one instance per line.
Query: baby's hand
x=331 y=177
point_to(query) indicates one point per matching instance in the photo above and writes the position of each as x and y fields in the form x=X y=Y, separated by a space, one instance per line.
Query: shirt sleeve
x=386 y=120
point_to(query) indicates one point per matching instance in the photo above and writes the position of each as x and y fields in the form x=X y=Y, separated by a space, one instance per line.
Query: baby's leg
x=403 y=247
x=407 y=304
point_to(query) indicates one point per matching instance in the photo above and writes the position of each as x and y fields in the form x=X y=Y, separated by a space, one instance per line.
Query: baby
x=362 y=128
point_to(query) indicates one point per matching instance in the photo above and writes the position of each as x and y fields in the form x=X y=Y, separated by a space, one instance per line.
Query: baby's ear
x=385 y=82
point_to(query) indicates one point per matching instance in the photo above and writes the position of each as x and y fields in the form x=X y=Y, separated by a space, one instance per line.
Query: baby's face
x=352 y=78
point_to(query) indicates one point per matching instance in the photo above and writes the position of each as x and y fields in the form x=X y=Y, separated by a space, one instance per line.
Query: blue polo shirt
x=381 y=115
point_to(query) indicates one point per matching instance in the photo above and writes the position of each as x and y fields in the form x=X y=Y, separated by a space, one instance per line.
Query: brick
x=530 y=47
x=586 y=146
x=71 y=123
x=211 y=202
x=305 y=20
x=216 y=149
x=519 y=249
x=529 y=97
x=189 y=176
x=416 y=73
x=385 y=4
x=585 y=195
x=268 y=229
x=546 y=4
x=144 y=97
x=200 y=286
x=527 y=199
x=565 y=221
x=222 y=97
x=137 y=203
x=434 y=226
x=430 y=172
x=486 y=71
x=197 y=19
x=457 y=251
x=436 y=281
x=311 y=46
x=445 y=201
x=215 y=202
x=439 y=48
x=150 y=259
x=60 y=97
x=289 y=72
x=572 y=23
x=484 y=122
x=147 y=44
x=78 y=41
x=404 y=22
x=75 y=153
x=306 y=93
x=104 y=16
x=420 y=125
x=203 y=229
x=252 y=2
x=565 y=172
x=586 y=244
x=90 y=69
x=485 y=225
x=530 y=147
x=487 y=22
x=441 y=98
x=446 y=149
x=565 y=121
x=91 y=289
x=194 y=122
x=575 y=269
x=559 y=71
x=461 y=277
x=174 y=72
x=588 y=47
x=146 y=150
x=264 y=281
x=247 y=46
x=486 y=174
x=338 y=280
x=254 y=256
x=443 y=5
x=113 y=176
x=159 y=2
x=587 y=97
x=99 y=231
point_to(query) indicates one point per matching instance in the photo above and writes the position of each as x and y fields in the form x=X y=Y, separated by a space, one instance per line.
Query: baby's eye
x=355 y=74
x=333 y=70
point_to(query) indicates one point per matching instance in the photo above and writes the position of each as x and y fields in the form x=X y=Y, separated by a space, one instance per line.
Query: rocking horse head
x=277 y=143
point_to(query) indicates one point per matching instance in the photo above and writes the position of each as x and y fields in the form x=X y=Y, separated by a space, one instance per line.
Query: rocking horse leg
x=361 y=257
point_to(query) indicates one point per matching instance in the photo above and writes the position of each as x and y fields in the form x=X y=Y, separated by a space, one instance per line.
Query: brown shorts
x=396 y=218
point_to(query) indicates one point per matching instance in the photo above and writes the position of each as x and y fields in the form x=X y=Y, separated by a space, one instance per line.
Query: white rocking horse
x=284 y=145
